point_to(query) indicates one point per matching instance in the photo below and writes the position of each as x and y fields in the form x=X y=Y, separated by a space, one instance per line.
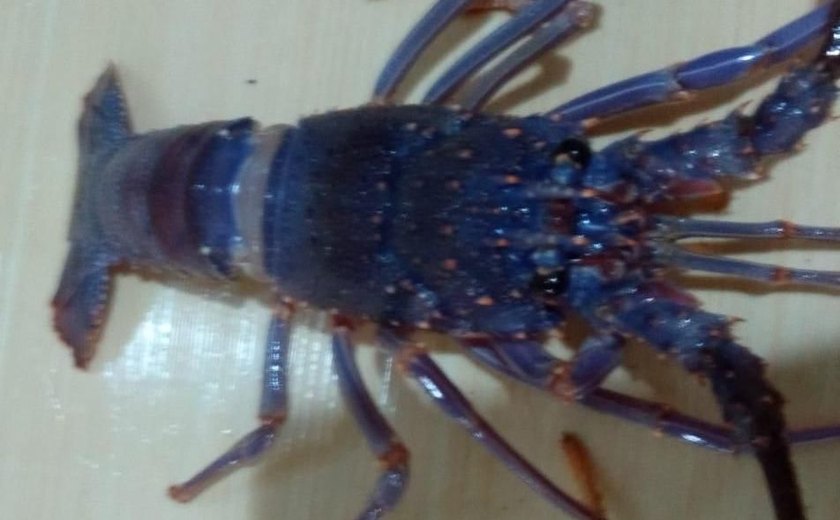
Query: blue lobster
x=488 y=228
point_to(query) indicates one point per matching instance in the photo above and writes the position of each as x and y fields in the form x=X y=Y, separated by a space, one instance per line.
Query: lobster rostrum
x=488 y=228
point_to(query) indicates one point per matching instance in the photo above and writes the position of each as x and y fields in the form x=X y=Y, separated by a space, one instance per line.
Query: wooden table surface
x=176 y=378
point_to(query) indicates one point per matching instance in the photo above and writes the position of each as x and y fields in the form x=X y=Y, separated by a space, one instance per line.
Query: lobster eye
x=574 y=150
x=550 y=285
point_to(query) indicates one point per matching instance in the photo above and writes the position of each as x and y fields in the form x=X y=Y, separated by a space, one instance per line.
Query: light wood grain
x=176 y=378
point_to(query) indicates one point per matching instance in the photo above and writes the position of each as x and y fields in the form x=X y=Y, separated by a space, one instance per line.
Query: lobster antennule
x=81 y=300
x=679 y=228
x=678 y=257
x=674 y=229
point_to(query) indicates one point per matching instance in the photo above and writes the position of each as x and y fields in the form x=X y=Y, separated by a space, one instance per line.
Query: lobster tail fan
x=105 y=121
x=80 y=303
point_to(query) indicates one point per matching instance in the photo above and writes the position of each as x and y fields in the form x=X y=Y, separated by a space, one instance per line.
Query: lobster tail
x=160 y=200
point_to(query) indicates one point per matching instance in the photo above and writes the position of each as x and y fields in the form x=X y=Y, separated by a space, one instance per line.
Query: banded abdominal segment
x=157 y=191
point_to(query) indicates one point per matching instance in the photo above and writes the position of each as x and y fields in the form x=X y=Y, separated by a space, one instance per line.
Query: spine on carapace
x=188 y=199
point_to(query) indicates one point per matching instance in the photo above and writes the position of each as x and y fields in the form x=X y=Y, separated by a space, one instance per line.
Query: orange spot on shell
x=450 y=264
x=788 y=229
x=396 y=456
x=781 y=275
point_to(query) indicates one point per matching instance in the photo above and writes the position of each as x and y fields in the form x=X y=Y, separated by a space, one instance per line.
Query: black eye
x=550 y=285
x=574 y=150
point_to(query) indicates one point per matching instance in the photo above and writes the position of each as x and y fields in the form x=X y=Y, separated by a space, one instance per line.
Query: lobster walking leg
x=667 y=421
x=708 y=71
x=521 y=24
x=533 y=365
x=453 y=403
x=489 y=5
x=272 y=415
x=413 y=45
x=529 y=362
x=568 y=23
x=382 y=439
x=529 y=14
